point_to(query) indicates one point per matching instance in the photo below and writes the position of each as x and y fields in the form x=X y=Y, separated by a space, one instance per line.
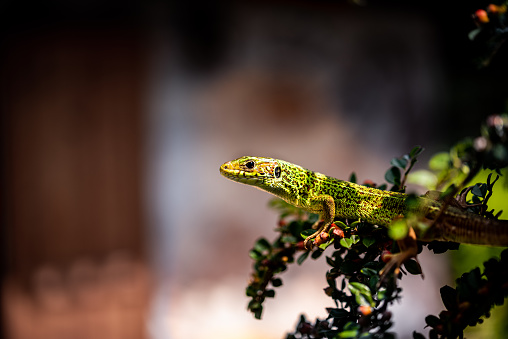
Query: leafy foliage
x=491 y=30
x=360 y=251
x=476 y=293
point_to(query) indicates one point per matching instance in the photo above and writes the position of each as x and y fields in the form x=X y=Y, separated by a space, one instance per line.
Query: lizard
x=332 y=198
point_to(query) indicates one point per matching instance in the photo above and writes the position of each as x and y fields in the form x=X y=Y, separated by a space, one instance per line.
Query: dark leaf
x=417 y=335
x=251 y=291
x=316 y=254
x=302 y=257
x=338 y=313
x=392 y=176
x=442 y=246
x=432 y=320
x=369 y=272
x=474 y=278
x=413 y=267
x=262 y=245
x=254 y=254
x=399 y=162
x=308 y=232
x=295 y=228
x=416 y=151
x=258 y=312
x=276 y=282
x=352 y=177
x=367 y=241
x=449 y=297
x=269 y=293
x=480 y=190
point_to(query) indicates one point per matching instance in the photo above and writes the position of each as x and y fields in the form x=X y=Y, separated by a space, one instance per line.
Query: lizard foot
x=408 y=249
x=320 y=226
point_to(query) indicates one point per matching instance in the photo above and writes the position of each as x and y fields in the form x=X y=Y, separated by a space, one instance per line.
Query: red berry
x=482 y=16
x=386 y=256
x=338 y=232
x=368 y=182
x=299 y=245
x=496 y=9
x=365 y=310
x=319 y=240
x=325 y=236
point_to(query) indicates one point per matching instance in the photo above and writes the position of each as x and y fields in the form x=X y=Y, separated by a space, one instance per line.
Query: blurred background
x=117 y=115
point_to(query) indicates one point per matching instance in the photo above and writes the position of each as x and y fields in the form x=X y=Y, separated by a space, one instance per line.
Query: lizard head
x=255 y=171
x=278 y=177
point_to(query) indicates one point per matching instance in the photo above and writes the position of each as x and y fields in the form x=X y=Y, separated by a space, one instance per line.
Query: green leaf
x=254 y=254
x=348 y=334
x=341 y=225
x=392 y=176
x=345 y=242
x=288 y=239
x=258 y=312
x=355 y=224
x=362 y=294
x=313 y=217
x=326 y=244
x=440 y=161
x=398 y=229
x=423 y=178
x=251 y=291
x=368 y=271
x=355 y=238
x=381 y=293
x=262 y=245
x=302 y=257
x=316 y=254
x=480 y=190
x=416 y=151
x=352 y=177
x=399 y=162
x=295 y=228
x=471 y=35
x=360 y=287
x=348 y=267
x=308 y=232
x=368 y=241
x=373 y=281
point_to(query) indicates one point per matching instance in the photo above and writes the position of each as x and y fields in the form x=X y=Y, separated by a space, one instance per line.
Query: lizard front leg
x=326 y=206
x=408 y=249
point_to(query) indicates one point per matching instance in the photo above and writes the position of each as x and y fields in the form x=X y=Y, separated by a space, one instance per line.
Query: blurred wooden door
x=72 y=103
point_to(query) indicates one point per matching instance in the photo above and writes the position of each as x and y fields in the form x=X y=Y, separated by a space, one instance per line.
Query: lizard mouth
x=228 y=171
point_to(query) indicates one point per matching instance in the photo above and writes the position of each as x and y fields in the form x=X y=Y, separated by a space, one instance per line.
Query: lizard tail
x=473 y=229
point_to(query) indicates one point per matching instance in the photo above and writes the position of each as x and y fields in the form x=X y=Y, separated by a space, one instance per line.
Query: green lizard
x=330 y=197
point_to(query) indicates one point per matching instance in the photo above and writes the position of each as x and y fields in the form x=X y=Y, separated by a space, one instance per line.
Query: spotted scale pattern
x=309 y=190
x=298 y=186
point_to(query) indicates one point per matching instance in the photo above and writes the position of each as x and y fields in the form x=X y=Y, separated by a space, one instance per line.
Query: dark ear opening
x=277 y=172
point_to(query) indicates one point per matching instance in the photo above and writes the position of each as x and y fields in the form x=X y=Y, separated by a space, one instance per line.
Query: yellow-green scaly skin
x=330 y=197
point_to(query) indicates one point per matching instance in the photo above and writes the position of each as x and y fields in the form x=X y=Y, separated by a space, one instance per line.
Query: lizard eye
x=277 y=172
x=249 y=164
